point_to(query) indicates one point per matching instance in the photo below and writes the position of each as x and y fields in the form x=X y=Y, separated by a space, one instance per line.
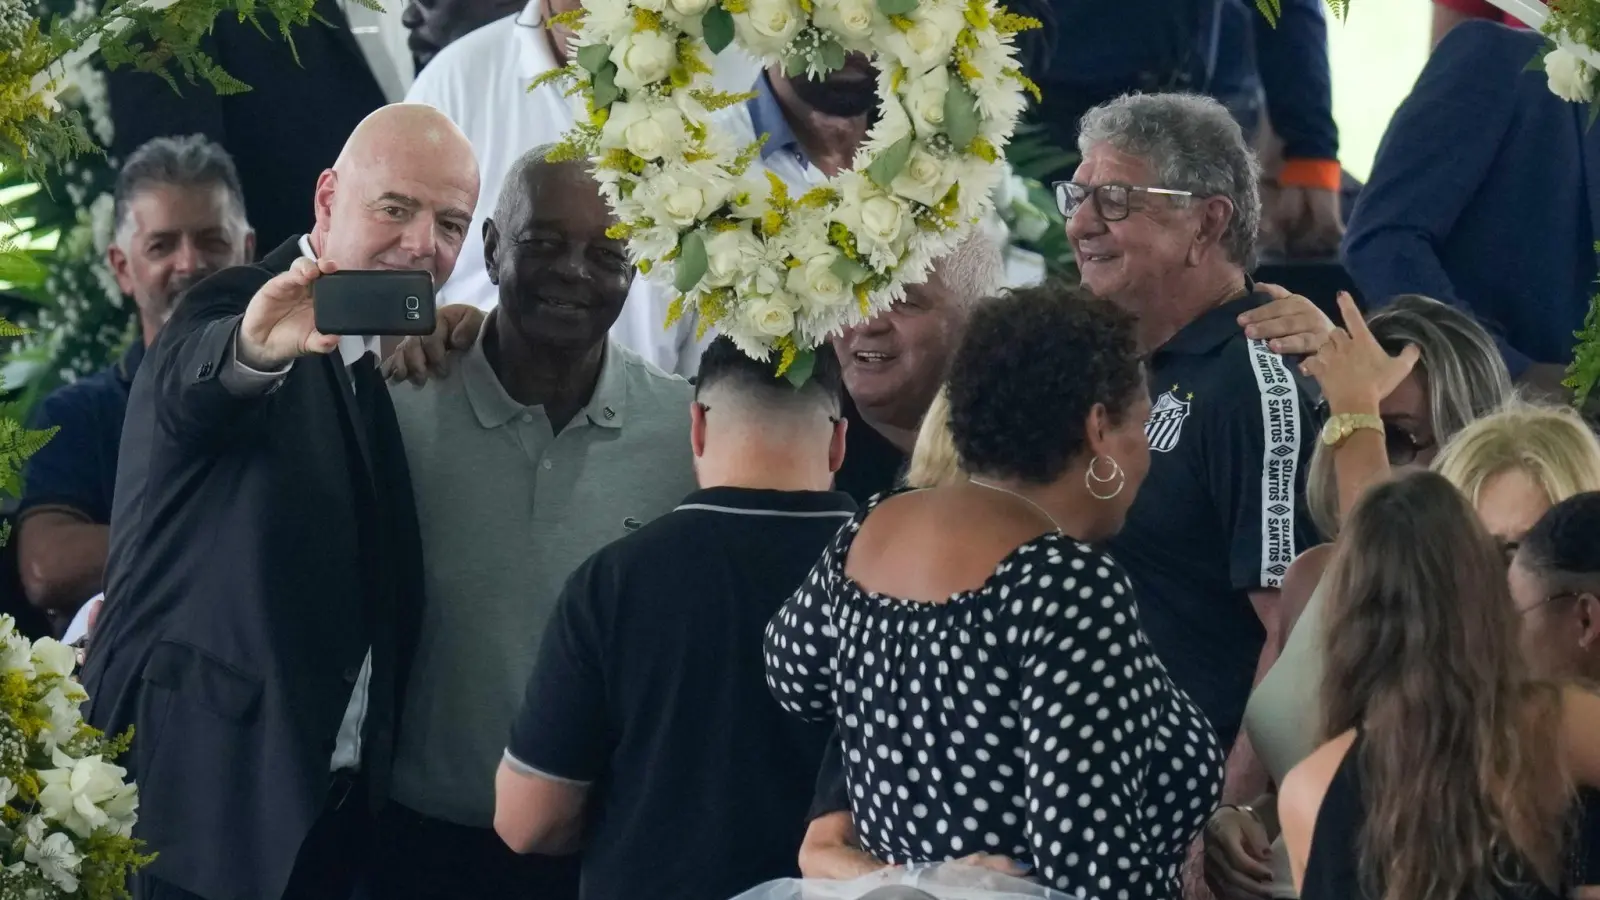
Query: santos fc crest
x=1165 y=424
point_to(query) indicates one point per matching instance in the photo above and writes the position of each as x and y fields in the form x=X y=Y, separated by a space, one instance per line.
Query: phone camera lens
x=413 y=303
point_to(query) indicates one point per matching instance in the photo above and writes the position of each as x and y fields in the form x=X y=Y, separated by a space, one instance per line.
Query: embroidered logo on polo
x=1165 y=424
x=1280 y=418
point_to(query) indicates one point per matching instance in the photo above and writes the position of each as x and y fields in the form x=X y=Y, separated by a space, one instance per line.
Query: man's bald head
x=400 y=195
x=526 y=180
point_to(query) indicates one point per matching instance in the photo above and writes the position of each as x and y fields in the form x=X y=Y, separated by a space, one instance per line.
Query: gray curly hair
x=1193 y=144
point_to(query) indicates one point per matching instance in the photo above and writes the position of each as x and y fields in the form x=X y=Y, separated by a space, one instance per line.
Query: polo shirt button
x=351 y=674
x=548 y=464
x=527 y=417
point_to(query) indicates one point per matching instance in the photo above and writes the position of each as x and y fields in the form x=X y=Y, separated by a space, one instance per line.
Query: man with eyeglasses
x=1163 y=215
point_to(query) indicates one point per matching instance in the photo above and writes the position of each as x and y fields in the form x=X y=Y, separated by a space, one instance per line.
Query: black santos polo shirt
x=650 y=686
x=1231 y=431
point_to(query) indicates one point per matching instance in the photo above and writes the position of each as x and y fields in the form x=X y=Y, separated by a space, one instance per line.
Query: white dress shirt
x=481 y=82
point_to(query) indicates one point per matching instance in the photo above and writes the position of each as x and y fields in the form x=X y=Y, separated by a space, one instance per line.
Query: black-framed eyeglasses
x=1112 y=201
x=1401 y=446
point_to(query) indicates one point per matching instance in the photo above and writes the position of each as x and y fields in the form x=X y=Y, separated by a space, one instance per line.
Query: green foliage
x=1584 y=372
x=888 y=164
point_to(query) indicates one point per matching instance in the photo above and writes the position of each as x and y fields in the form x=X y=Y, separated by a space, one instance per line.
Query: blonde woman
x=933 y=460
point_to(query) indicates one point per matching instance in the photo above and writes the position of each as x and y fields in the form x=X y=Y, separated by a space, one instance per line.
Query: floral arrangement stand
x=774 y=271
x=67 y=821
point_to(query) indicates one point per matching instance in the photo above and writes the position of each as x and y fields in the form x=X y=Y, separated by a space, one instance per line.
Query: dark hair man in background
x=649 y=700
x=179 y=216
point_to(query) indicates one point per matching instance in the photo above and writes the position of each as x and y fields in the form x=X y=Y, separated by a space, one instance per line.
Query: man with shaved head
x=545 y=441
x=264 y=578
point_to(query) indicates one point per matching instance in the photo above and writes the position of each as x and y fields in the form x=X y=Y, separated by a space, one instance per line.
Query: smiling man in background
x=178 y=216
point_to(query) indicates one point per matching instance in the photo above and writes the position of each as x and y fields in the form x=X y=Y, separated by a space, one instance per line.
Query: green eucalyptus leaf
x=794 y=65
x=896 y=7
x=717 y=25
x=848 y=270
x=691 y=263
x=883 y=170
x=605 y=87
x=799 y=371
x=594 y=57
x=832 y=56
x=960 y=114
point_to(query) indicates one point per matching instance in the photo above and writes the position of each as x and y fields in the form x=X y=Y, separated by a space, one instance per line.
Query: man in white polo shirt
x=481 y=82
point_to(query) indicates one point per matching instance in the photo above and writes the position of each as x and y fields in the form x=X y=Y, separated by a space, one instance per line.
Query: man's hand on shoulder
x=1291 y=324
x=418 y=358
x=279 y=325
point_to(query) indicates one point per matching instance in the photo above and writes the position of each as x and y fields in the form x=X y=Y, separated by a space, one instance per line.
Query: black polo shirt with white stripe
x=650 y=687
x=1231 y=430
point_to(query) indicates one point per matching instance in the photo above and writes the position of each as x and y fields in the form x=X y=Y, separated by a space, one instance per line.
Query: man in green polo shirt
x=544 y=442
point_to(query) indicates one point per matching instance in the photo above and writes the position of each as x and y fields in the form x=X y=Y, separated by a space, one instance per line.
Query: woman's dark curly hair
x=1033 y=363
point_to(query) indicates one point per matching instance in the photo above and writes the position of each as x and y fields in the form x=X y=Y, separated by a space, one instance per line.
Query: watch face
x=1331 y=432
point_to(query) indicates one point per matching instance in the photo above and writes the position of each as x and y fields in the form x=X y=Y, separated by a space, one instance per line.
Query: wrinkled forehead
x=564 y=195
x=435 y=181
x=160 y=207
x=1105 y=164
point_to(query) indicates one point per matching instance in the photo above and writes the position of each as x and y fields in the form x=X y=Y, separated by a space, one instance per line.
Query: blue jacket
x=1484 y=195
x=1218 y=47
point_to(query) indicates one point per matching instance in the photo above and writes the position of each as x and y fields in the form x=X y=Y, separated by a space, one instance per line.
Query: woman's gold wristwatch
x=1341 y=425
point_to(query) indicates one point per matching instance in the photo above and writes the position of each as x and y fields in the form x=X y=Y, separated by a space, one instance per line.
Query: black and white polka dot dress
x=1029 y=719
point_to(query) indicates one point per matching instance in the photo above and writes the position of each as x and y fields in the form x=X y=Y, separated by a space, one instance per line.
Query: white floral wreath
x=775 y=272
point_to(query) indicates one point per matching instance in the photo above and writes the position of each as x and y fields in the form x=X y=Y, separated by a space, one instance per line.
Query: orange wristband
x=1317 y=174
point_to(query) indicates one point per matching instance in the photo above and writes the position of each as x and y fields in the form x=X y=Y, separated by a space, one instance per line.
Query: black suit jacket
x=282 y=132
x=259 y=547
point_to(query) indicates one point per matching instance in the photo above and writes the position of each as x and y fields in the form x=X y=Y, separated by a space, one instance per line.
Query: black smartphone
x=382 y=301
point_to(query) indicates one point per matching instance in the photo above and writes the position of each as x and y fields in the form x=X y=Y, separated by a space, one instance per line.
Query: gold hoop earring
x=1090 y=479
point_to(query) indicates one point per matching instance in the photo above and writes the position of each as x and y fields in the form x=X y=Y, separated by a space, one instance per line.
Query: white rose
x=1570 y=77
x=929 y=39
x=768 y=25
x=882 y=219
x=652 y=5
x=648 y=131
x=690 y=8
x=769 y=316
x=852 y=20
x=924 y=179
x=877 y=220
x=816 y=283
x=924 y=101
x=644 y=57
x=51 y=657
x=731 y=255
x=86 y=794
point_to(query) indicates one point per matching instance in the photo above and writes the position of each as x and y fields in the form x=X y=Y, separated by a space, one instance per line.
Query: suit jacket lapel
x=354 y=421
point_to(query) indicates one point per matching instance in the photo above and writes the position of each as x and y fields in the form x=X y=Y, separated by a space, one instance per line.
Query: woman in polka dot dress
x=994 y=692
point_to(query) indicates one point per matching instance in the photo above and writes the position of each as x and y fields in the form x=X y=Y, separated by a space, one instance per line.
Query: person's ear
x=491 y=250
x=697 y=428
x=117 y=259
x=836 y=446
x=1588 y=621
x=1097 y=430
x=322 y=199
x=249 y=246
x=1215 y=214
